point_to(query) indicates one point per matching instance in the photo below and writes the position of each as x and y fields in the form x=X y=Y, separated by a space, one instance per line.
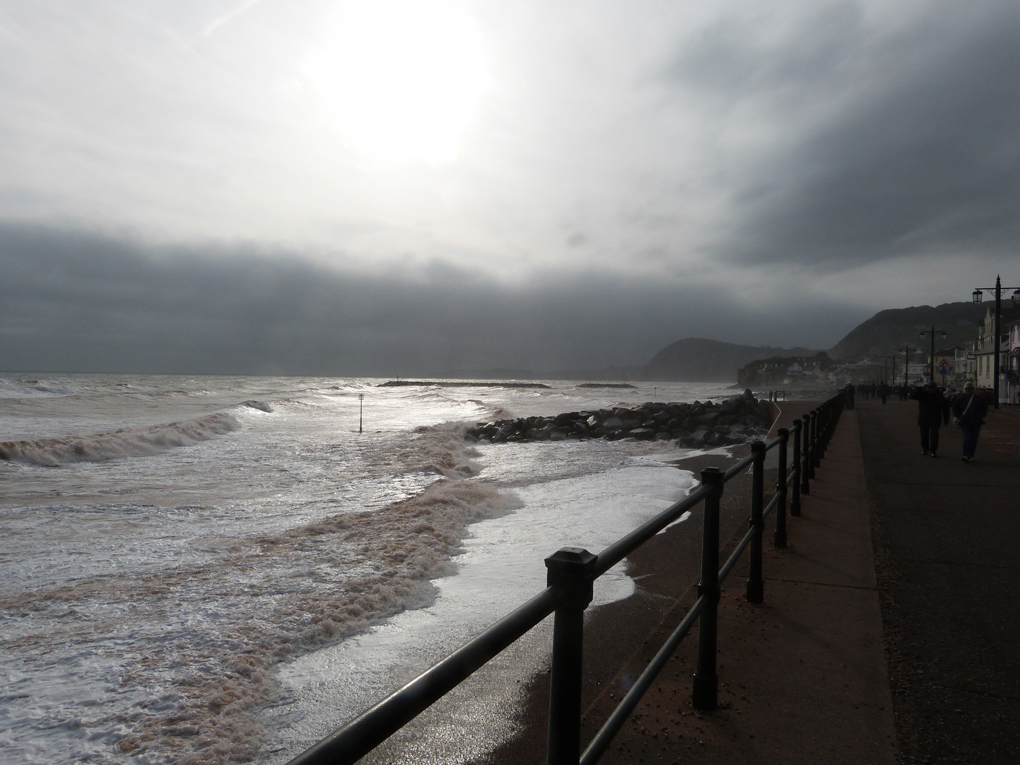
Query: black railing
x=571 y=573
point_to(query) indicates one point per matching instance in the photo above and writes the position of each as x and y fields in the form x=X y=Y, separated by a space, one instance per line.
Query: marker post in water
x=361 y=412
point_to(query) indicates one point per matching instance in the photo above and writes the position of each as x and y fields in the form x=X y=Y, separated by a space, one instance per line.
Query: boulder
x=734 y=420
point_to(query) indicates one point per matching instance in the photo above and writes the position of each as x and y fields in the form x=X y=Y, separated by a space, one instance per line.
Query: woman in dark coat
x=969 y=409
x=848 y=391
x=932 y=412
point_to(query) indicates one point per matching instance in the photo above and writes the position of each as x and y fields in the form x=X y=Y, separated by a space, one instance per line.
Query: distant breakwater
x=458 y=384
x=733 y=421
x=489 y=384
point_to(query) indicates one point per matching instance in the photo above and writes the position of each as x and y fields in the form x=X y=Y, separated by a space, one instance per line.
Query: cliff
x=889 y=331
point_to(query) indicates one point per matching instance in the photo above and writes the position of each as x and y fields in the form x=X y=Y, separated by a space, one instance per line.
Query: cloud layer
x=179 y=194
x=80 y=301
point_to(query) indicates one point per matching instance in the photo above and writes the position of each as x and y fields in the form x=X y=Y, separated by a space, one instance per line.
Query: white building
x=1012 y=362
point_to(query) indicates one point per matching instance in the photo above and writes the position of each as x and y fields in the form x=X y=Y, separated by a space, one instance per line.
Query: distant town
x=928 y=356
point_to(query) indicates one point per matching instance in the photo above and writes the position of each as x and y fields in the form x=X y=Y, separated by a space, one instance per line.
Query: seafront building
x=1012 y=363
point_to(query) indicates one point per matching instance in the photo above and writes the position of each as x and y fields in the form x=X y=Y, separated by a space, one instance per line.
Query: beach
x=205 y=569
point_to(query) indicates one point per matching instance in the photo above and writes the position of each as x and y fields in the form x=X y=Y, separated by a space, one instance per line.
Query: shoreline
x=666 y=570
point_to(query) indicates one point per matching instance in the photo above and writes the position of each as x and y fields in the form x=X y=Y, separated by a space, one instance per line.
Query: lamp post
x=976 y=296
x=906 y=365
x=931 y=364
x=361 y=412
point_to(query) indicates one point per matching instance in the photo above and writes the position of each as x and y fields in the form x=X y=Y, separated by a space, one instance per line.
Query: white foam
x=147 y=601
x=118 y=443
x=502 y=566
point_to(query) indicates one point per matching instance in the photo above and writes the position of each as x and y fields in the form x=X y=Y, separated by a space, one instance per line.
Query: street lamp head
x=1016 y=298
x=976 y=296
x=921 y=335
x=942 y=335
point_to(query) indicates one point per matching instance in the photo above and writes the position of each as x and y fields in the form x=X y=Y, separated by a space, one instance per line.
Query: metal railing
x=571 y=573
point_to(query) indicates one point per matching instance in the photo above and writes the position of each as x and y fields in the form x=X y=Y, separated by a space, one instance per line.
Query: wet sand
x=666 y=570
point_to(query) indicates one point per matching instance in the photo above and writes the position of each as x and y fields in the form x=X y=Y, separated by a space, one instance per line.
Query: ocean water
x=214 y=569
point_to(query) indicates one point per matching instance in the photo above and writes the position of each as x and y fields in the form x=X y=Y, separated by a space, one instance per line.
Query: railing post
x=820 y=435
x=812 y=450
x=706 y=682
x=569 y=570
x=828 y=427
x=823 y=432
x=755 y=581
x=798 y=427
x=779 y=539
x=805 y=459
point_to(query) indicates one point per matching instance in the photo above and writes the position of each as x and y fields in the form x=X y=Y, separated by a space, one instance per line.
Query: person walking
x=932 y=412
x=969 y=412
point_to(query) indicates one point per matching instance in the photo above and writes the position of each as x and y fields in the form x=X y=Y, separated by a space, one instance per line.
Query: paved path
x=948 y=543
x=802 y=676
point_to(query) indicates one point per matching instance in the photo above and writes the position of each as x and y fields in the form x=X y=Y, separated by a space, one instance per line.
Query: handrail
x=571 y=573
x=360 y=736
x=624 y=546
x=735 y=555
x=619 y=716
x=738 y=468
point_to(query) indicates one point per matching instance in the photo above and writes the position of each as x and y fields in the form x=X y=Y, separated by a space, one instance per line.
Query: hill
x=695 y=359
x=889 y=331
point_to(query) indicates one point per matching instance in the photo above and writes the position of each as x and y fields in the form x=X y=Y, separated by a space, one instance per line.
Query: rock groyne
x=733 y=421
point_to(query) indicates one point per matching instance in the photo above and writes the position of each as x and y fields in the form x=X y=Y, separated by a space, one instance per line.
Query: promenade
x=948 y=544
x=890 y=630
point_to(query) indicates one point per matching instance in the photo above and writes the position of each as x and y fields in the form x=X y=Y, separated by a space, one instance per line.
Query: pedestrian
x=932 y=412
x=849 y=392
x=883 y=391
x=969 y=410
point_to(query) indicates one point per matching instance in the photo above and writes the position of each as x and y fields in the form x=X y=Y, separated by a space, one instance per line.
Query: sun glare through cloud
x=402 y=77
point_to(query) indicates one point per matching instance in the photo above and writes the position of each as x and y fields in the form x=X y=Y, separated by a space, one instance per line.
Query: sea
x=206 y=570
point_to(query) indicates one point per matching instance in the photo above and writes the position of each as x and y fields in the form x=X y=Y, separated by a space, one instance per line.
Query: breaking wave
x=327 y=580
x=123 y=442
x=262 y=406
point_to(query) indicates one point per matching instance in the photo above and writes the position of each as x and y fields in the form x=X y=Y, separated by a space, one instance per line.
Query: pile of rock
x=733 y=421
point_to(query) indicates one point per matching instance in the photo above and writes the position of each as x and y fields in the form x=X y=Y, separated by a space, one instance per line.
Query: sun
x=402 y=77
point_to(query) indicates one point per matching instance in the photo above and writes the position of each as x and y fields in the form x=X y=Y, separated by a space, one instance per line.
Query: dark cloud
x=577 y=239
x=756 y=53
x=920 y=154
x=74 y=300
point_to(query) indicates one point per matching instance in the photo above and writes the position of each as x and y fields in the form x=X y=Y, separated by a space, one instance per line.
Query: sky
x=408 y=187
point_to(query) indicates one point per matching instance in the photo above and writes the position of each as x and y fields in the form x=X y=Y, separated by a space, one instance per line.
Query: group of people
x=968 y=411
x=880 y=390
